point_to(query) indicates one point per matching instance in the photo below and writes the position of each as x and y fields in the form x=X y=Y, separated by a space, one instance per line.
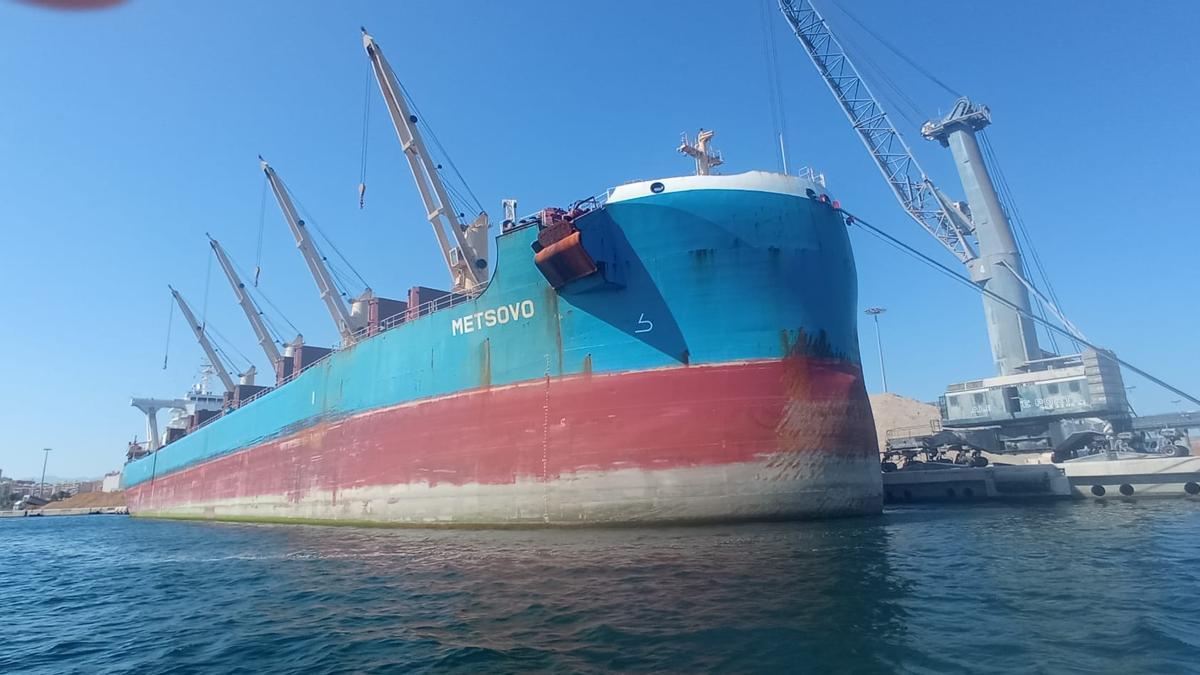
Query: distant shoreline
x=82 y=511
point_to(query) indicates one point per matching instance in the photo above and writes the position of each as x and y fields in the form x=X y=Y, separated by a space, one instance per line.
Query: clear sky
x=127 y=134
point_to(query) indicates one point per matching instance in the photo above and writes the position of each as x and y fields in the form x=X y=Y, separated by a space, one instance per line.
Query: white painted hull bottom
x=778 y=489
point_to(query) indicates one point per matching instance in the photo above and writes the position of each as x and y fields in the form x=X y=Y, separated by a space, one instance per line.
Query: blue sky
x=127 y=134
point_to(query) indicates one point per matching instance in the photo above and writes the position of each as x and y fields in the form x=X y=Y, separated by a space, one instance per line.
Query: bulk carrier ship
x=675 y=350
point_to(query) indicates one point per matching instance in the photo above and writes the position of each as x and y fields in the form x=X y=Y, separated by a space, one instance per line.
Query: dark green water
x=1055 y=588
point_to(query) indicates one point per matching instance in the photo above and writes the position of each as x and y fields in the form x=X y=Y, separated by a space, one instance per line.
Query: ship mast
x=316 y=265
x=467 y=257
x=205 y=344
x=706 y=160
x=253 y=314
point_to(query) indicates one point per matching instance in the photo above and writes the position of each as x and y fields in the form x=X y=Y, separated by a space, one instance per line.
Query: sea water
x=1067 y=587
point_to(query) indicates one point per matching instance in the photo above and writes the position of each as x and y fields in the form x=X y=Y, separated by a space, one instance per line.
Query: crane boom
x=997 y=264
x=316 y=265
x=205 y=344
x=917 y=194
x=467 y=257
x=253 y=314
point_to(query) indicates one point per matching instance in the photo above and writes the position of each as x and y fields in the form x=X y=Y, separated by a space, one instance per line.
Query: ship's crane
x=151 y=406
x=342 y=319
x=467 y=256
x=205 y=344
x=983 y=226
x=253 y=314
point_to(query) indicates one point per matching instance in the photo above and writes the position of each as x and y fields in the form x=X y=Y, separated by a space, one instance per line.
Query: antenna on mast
x=705 y=160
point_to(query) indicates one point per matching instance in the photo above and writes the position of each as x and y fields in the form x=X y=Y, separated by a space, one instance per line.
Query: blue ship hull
x=708 y=371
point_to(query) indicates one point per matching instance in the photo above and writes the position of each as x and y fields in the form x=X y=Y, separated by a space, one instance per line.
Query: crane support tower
x=998 y=267
x=980 y=236
x=467 y=256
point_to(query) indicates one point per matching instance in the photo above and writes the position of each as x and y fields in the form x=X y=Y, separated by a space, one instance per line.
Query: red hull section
x=551 y=429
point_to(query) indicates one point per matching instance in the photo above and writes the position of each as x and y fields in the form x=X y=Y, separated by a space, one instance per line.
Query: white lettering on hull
x=496 y=316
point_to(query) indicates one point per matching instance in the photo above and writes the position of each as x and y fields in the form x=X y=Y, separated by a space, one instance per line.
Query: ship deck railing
x=424 y=309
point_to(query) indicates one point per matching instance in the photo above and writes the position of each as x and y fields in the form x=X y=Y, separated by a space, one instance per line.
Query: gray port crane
x=251 y=310
x=467 y=257
x=1038 y=401
x=980 y=235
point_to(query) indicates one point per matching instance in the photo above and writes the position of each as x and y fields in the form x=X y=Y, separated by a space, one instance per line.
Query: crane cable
x=989 y=152
x=896 y=50
x=1010 y=206
x=167 y=348
x=852 y=220
x=898 y=101
x=457 y=199
x=366 y=122
x=474 y=201
x=226 y=345
x=872 y=71
x=774 y=88
x=262 y=221
x=275 y=333
x=1024 y=241
x=207 y=282
x=309 y=220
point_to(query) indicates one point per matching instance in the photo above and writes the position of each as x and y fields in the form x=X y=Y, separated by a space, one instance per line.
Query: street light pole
x=45 y=458
x=874 y=313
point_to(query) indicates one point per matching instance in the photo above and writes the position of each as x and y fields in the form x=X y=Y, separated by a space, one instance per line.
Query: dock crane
x=253 y=314
x=963 y=230
x=206 y=345
x=1039 y=401
x=346 y=324
x=467 y=257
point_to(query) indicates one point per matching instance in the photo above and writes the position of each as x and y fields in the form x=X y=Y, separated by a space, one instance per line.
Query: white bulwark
x=752 y=181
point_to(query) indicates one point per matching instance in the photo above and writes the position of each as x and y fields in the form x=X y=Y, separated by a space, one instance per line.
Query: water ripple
x=1054 y=588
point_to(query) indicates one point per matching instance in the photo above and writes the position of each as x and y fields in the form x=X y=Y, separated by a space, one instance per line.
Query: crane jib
x=464 y=249
x=892 y=155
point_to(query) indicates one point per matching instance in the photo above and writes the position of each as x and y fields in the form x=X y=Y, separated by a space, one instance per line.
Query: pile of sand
x=892 y=411
x=90 y=500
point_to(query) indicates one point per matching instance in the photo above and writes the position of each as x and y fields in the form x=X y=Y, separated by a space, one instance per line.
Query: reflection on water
x=1045 y=588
